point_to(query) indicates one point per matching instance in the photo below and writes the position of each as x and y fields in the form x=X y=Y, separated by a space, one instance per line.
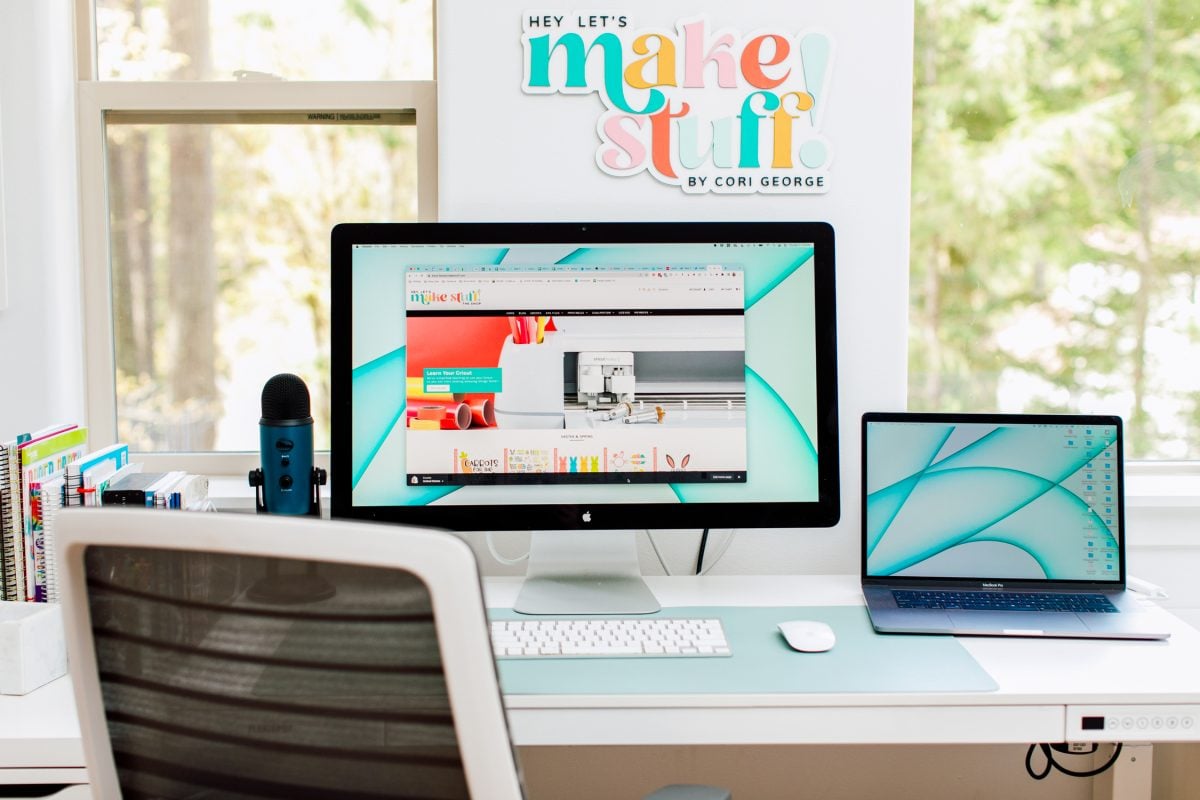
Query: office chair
x=187 y=688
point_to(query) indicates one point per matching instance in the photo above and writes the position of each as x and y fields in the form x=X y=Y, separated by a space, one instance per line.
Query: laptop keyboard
x=1004 y=601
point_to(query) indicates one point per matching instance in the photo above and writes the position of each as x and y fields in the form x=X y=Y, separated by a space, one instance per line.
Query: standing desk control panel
x=1133 y=723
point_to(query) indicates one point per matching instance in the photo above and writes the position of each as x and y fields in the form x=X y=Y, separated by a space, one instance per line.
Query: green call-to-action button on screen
x=461 y=380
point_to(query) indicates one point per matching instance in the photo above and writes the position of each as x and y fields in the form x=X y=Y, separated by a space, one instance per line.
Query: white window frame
x=3 y=247
x=96 y=98
x=1154 y=484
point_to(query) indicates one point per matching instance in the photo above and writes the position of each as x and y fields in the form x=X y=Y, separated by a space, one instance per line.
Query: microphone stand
x=290 y=588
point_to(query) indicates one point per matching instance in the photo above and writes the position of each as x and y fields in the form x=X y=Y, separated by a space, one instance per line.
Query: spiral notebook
x=7 y=555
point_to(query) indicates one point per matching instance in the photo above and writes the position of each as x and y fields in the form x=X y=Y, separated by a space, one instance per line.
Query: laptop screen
x=1006 y=497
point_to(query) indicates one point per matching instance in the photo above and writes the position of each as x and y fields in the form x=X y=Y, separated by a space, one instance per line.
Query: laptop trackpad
x=1015 y=622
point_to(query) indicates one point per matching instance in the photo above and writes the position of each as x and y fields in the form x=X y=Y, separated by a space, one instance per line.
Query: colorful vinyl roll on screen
x=449 y=414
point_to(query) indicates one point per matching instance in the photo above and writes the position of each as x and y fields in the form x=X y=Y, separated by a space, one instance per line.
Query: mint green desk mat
x=861 y=661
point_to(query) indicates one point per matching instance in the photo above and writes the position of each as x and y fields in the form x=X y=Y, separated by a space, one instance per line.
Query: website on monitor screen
x=634 y=375
x=587 y=374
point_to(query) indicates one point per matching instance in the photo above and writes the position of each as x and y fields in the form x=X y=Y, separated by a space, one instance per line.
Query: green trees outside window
x=1055 y=261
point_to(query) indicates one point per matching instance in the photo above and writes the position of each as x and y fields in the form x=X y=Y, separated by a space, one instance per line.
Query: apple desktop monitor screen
x=569 y=378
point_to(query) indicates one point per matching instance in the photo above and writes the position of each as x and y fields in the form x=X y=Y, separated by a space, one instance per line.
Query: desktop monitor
x=573 y=377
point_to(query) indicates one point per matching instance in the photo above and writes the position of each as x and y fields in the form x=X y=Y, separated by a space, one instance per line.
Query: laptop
x=997 y=525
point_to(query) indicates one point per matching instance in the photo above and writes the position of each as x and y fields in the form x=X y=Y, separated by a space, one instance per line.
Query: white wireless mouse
x=807 y=636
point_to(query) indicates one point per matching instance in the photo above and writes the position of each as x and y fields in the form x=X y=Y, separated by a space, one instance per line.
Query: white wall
x=41 y=361
x=507 y=155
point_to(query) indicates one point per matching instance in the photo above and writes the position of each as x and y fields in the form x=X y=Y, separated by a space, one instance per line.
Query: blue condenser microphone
x=288 y=482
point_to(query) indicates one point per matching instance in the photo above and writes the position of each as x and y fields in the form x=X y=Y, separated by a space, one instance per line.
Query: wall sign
x=704 y=109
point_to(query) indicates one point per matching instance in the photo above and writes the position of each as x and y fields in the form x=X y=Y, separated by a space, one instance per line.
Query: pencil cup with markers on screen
x=531 y=374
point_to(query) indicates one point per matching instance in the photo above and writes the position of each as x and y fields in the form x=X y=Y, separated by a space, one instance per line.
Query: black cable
x=1051 y=764
x=1037 y=776
x=700 y=553
x=1116 y=753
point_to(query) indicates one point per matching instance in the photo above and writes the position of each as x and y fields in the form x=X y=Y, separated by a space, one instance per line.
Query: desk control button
x=1158 y=722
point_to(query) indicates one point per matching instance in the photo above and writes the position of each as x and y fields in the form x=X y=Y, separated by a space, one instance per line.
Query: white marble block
x=32 y=648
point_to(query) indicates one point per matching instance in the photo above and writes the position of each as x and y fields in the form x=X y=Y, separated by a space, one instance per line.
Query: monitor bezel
x=985 y=418
x=823 y=512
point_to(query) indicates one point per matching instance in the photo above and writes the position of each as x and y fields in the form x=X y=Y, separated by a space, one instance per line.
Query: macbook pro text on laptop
x=997 y=524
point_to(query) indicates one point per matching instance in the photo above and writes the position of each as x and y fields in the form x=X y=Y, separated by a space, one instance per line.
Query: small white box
x=33 y=650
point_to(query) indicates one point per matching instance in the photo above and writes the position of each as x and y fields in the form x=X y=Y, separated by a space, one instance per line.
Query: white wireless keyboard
x=608 y=638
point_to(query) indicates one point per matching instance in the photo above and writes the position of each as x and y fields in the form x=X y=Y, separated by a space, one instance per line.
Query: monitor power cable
x=700 y=552
x=1048 y=750
x=701 y=568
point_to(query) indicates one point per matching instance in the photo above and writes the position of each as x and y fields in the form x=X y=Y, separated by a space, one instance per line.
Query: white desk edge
x=1040 y=682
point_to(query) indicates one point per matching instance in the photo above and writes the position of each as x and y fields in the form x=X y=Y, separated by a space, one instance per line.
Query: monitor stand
x=584 y=572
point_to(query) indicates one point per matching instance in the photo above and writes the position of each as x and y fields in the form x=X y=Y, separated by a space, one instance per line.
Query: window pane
x=256 y=39
x=220 y=232
x=1056 y=213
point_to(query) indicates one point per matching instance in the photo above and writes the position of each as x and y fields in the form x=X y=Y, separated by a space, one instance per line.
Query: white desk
x=39 y=738
x=1045 y=686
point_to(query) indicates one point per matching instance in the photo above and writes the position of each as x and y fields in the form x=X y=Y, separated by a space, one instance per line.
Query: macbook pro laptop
x=997 y=524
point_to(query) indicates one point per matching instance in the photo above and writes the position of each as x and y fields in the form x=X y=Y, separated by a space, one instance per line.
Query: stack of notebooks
x=42 y=472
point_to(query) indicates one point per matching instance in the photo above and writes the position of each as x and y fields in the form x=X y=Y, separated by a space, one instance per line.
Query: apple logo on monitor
x=587 y=516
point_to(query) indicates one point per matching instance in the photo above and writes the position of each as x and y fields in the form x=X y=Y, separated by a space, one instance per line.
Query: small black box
x=131 y=490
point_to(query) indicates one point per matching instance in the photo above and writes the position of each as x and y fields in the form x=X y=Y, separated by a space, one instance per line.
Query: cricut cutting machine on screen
x=630 y=370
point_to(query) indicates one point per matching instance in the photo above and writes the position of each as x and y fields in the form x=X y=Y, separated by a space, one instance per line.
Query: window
x=221 y=140
x=301 y=40
x=1055 y=260
x=220 y=259
x=3 y=251
x=1055 y=223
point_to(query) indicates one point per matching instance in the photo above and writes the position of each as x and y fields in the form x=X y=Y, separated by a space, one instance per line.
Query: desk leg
x=1130 y=778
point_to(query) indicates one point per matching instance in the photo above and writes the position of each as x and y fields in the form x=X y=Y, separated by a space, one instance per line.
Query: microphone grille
x=285 y=396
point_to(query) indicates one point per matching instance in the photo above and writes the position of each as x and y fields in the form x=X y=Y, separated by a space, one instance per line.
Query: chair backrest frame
x=442 y=561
